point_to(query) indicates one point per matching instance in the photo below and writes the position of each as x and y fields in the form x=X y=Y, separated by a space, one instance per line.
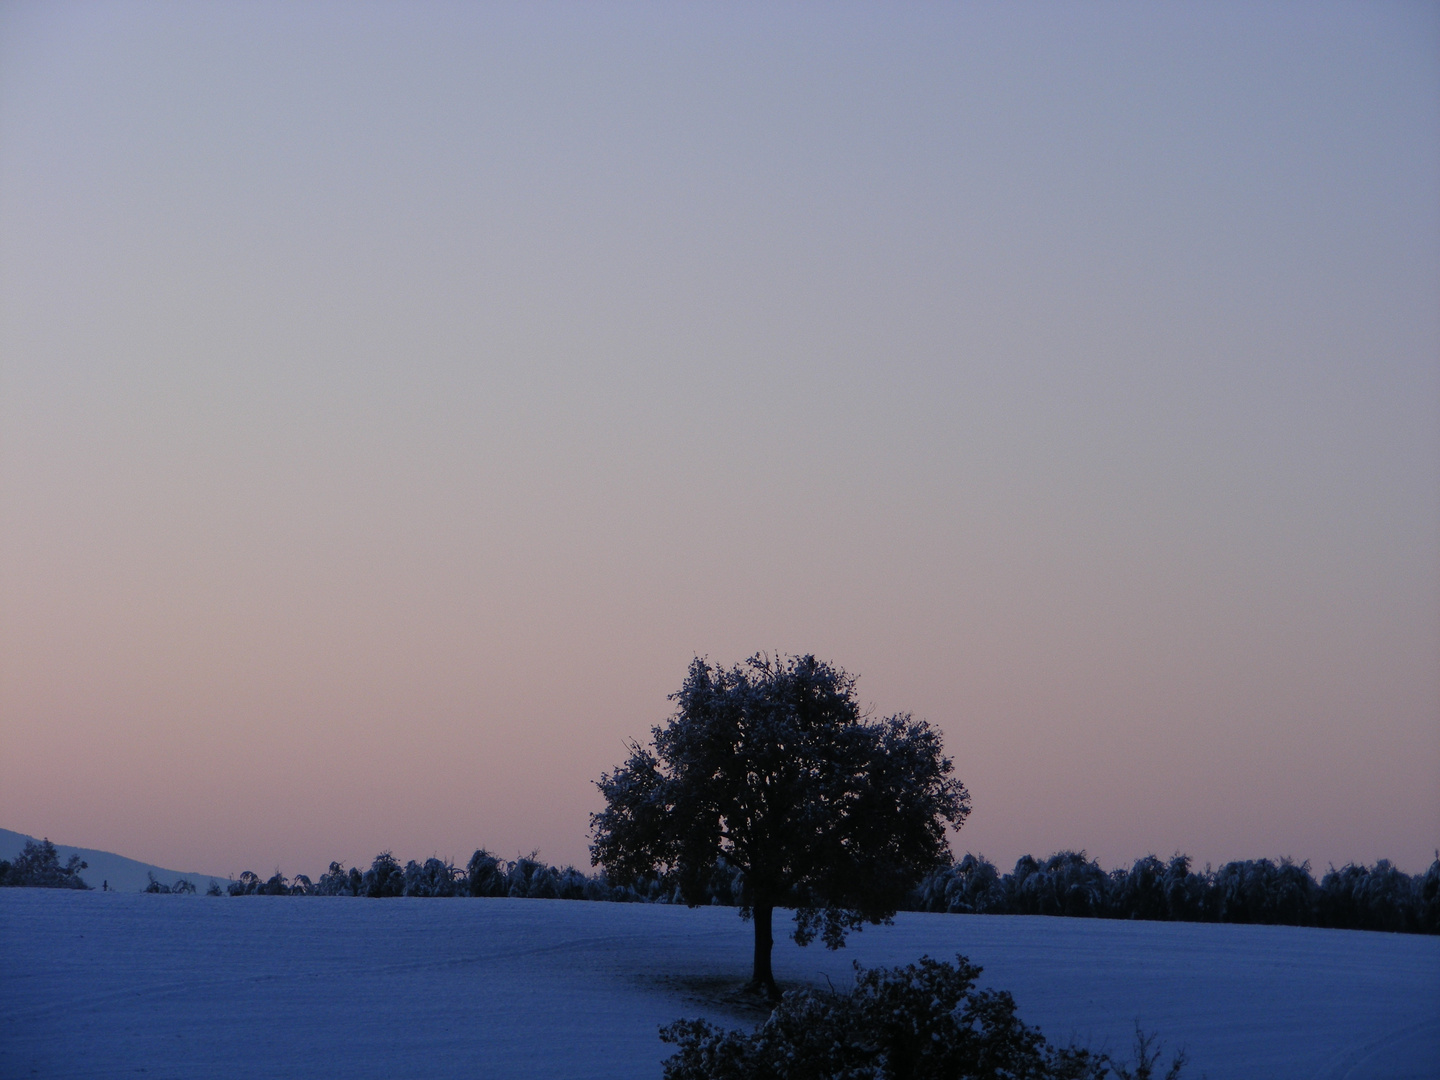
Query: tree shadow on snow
x=728 y=994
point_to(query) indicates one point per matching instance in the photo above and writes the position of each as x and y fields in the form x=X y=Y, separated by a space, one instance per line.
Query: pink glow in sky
x=394 y=398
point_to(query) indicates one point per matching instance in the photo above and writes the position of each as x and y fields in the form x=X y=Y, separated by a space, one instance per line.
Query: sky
x=395 y=398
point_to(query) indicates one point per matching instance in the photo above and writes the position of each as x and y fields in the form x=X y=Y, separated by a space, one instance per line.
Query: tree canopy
x=38 y=866
x=770 y=767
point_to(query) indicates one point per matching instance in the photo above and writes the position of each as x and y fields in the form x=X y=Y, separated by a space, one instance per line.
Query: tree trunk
x=764 y=978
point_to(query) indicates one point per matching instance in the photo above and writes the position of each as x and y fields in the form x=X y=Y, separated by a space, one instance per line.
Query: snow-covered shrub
x=1260 y=891
x=925 y=1021
x=531 y=878
x=1428 y=899
x=1342 y=895
x=333 y=881
x=570 y=884
x=182 y=886
x=596 y=887
x=976 y=887
x=932 y=894
x=1141 y=894
x=38 y=867
x=276 y=885
x=1067 y=883
x=384 y=878
x=155 y=886
x=1378 y=898
x=250 y=884
x=1184 y=890
x=1250 y=891
x=337 y=881
x=485 y=875
x=436 y=877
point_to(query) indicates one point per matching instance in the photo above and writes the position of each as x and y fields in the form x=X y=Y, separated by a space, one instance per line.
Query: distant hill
x=124 y=875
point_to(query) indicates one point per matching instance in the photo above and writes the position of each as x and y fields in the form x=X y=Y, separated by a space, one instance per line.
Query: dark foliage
x=248 y=885
x=485 y=875
x=1252 y=891
x=337 y=881
x=38 y=867
x=1068 y=883
x=276 y=885
x=180 y=887
x=435 y=877
x=384 y=878
x=770 y=767
x=925 y=1021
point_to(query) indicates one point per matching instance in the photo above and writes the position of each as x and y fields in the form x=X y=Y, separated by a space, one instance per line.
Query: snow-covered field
x=123 y=985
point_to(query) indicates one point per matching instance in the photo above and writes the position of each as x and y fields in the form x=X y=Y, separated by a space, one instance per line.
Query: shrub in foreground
x=925 y=1021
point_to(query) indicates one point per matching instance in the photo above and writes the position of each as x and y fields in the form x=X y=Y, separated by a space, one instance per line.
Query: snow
x=121 y=984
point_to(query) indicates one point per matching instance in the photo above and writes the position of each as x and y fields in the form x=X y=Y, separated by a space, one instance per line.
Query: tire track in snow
x=1365 y=1060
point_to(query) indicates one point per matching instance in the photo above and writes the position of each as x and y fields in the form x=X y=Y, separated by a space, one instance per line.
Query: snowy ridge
x=124 y=875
